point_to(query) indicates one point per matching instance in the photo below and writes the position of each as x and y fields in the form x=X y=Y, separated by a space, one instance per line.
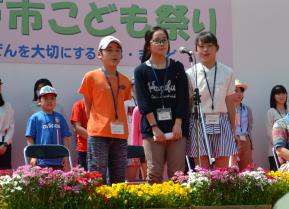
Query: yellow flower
x=140 y=193
x=282 y=176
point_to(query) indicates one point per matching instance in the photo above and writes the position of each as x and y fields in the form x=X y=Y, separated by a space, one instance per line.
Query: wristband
x=154 y=125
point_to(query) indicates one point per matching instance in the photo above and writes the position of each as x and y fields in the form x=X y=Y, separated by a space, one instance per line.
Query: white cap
x=240 y=84
x=105 y=41
x=47 y=90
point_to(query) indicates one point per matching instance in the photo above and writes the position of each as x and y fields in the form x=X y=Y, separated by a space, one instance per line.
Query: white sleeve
x=10 y=125
x=231 y=85
x=270 y=123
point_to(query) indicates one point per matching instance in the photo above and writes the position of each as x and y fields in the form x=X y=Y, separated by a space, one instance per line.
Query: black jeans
x=5 y=160
x=82 y=160
x=272 y=163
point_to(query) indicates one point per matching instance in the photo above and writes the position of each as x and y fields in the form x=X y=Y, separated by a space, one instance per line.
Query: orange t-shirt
x=95 y=87
x=78 y=115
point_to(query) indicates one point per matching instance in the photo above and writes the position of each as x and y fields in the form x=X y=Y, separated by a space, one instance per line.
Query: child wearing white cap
x=244 y=125
x=104 y=91
x=48 y=127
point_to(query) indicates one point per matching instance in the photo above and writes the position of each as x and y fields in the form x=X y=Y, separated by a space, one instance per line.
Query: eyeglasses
x=159 y=42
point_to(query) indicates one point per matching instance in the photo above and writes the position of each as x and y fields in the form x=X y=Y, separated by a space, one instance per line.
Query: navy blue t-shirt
x=168 y=87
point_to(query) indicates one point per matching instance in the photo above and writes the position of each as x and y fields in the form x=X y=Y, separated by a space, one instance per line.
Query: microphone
x=184 y=50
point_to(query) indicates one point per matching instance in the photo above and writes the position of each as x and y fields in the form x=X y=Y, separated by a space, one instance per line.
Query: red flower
x=6 y=172
x=93 y=174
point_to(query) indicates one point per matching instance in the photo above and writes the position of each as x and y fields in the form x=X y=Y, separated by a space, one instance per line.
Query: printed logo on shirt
x=50 y=125
x=168 y=90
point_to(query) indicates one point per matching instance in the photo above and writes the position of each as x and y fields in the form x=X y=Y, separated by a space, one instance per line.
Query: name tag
x=117 y=128
x=243 y=138
x=164 y=114
x=212 y=119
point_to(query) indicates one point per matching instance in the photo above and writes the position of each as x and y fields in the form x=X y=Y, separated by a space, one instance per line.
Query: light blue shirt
x=242 y=120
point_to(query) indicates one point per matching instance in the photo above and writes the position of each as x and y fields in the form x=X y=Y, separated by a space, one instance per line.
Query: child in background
x=35 y=106
x=137 y=138
x=48 y=127
x=244 y=124
x=104 y=91
x=6 y=133
x=79 y=121
x=278 y=110
x=133 y=164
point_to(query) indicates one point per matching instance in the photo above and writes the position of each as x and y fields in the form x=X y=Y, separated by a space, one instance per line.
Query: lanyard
x=287 y=118
x=162 y=87
x=280 y=113
x=242 y=107
x=211 y=95
x=115 y=98
x=240 y=115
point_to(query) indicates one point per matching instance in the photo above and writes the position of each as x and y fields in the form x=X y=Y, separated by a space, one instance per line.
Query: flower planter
x=81 y=189
x=234 y=207
x=226 y=207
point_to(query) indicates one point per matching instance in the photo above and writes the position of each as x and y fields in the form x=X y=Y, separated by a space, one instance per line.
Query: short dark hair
x=277 y=90
x=206 y=37
x=44 y=82
x=241 y=89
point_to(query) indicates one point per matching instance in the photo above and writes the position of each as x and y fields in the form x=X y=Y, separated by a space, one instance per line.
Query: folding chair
x=190 y=164
x=135 y=152
x=46 y=151
x=277 y=162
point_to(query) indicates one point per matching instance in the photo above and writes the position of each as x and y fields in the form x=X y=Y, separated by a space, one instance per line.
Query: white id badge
x=243 y=138
x=117 y=128
x=213 y=119
x=164 y=114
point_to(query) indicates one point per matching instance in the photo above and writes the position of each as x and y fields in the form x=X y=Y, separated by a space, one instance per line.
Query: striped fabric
x=213 y=128
x=280 y=132
x=222 y=144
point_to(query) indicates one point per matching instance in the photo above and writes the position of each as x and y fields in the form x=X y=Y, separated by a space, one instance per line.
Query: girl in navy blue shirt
x=162 y=96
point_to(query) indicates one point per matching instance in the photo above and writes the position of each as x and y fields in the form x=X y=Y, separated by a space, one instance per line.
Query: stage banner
x=68 y=32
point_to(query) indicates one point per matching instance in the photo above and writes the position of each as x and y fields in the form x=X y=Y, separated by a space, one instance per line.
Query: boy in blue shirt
x=48 y=127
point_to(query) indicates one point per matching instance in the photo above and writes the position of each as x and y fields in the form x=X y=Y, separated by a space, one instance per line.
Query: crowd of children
x=161 y=115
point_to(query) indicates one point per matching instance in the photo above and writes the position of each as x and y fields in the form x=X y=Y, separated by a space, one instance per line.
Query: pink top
x=135 y=127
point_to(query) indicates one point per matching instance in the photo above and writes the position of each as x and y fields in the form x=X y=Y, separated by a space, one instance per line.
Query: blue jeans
x=82 y=160
x=107 y=154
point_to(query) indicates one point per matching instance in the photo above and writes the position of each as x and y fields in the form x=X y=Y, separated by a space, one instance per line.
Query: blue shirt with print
x=47 y=128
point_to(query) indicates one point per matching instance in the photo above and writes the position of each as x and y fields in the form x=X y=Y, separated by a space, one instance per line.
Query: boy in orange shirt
x=104 y=91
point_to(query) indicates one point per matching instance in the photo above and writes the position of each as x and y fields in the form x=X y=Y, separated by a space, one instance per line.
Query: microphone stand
x=199 y=117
